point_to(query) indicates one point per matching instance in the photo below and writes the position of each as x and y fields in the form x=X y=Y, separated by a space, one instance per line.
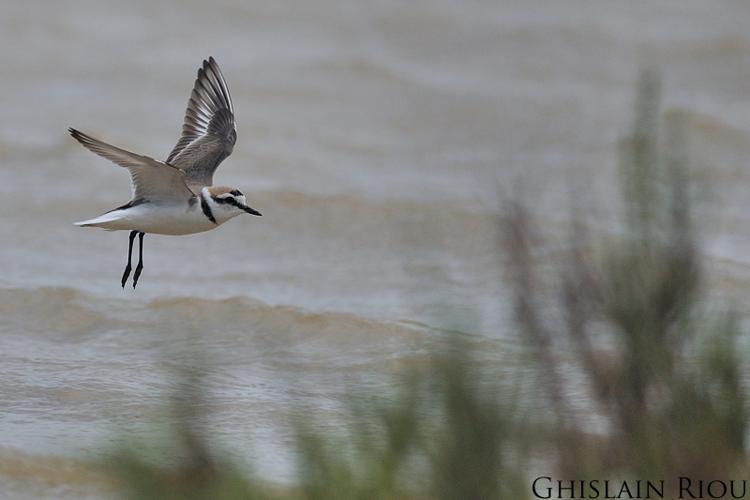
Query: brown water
x=375 y=137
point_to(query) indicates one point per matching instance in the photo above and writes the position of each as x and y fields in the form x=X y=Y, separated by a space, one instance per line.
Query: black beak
x=251 y=211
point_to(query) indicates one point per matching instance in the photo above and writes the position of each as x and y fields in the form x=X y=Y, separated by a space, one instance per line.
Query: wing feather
x=152 y=180
x=208 y=130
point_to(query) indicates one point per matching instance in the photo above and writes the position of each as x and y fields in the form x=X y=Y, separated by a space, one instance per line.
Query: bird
x=177 y=196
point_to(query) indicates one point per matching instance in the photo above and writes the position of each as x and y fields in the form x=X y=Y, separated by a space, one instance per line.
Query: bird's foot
x=125 y=275
x=137 y=275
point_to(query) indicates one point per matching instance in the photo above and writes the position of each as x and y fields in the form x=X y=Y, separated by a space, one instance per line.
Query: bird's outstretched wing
x=151 y=179
x=208 y=132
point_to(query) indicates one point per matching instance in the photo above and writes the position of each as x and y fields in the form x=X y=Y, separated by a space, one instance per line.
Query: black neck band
x=207 y=210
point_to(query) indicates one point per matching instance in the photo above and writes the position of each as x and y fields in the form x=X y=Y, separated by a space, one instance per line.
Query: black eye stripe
x=228 y=200
x=236 y=192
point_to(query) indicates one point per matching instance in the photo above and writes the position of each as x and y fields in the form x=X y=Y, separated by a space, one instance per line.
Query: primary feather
x=208 y=131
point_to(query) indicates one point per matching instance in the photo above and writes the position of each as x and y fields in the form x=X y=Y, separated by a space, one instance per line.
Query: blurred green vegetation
x=660 y=367
x=638 y=377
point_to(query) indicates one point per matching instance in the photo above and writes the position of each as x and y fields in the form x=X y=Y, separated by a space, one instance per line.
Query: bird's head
x=226 y=202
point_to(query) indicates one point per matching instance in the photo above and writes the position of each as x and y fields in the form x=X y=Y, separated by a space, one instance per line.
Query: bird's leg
x=130 y=252
x=139 y=267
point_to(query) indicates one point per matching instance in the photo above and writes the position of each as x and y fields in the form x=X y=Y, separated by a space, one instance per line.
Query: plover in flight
x=176 y=196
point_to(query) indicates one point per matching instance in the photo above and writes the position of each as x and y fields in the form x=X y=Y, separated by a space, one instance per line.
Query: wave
x=69 y=312
x=368 y=67
x=339 y=210
x=47 y=475
x=362 y=202
x=49 y=310
x=726 y=45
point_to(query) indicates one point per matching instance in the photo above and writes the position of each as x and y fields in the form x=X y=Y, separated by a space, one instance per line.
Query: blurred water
x=375 y=137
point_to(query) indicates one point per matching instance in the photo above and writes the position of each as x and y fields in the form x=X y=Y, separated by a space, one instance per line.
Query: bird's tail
x=108 y=221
